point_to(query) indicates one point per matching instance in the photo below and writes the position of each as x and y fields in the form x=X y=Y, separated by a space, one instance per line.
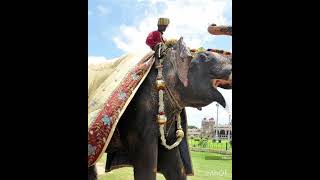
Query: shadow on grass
x=218 y=157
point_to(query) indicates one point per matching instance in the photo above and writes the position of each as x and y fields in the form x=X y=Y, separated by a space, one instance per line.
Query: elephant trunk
x=220 y=30
x=224 y=73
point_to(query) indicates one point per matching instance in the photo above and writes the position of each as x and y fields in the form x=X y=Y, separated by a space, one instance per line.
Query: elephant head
x=194 y=79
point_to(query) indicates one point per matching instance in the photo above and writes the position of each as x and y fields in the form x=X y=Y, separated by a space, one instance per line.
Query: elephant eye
x=202 y=57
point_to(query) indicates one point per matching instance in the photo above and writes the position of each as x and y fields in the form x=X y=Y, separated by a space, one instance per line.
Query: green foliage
x=192 y=127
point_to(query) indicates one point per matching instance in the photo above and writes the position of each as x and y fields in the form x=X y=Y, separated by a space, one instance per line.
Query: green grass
x=203 y=169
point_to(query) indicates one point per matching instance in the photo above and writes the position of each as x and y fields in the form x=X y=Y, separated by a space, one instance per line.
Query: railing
x=210 y=144
x=224 y=136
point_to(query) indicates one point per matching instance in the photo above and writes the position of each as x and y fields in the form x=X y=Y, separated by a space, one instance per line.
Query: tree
x=192 y=127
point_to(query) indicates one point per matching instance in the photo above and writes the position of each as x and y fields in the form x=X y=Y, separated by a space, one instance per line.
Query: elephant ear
x=181 y=58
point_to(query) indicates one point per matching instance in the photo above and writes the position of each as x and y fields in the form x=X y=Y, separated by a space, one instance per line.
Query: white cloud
x=152 y=1
x=102 y=10
x=96 y=59
x=133 y=39
x=188 y=18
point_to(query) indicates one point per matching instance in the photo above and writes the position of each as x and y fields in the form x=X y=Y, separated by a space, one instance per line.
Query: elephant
x=193 y=81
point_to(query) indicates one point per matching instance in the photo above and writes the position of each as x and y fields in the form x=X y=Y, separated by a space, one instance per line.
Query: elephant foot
x=171 y=165
x=145 y=174
x=175 y=174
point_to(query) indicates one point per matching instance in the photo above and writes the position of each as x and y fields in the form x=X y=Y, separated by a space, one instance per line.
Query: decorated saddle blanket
x=111 y=86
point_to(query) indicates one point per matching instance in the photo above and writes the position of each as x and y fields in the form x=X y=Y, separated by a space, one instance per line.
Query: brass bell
x=179 y=133
x=162 y=119
x=160 y=84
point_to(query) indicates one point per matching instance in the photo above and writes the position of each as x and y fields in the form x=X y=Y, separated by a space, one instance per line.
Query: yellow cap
x=163 y=21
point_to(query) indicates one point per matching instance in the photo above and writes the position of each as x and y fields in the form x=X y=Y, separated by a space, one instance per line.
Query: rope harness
x=163 y=89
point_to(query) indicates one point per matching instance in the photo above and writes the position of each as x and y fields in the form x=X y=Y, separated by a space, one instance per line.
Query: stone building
x=194 y=132
x=209 y=128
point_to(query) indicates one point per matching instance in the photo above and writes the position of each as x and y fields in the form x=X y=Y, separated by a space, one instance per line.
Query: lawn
x=203 y=169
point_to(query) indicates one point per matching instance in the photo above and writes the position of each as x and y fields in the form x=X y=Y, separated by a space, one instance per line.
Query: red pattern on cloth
x=101 y=127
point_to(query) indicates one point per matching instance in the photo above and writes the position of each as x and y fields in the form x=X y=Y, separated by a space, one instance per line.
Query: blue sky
x=120 y=26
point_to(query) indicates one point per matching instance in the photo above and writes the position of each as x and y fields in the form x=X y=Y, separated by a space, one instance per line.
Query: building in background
x=194 y=132
x=208 y=128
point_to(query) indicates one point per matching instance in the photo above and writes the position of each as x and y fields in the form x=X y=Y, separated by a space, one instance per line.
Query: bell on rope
x=161 y=119
x=179 y=133
x=160 y=84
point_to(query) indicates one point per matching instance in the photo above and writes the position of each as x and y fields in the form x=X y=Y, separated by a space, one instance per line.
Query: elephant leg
x=144 y=158
x=145 y=165
x=170 y=164
x=92 y=173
